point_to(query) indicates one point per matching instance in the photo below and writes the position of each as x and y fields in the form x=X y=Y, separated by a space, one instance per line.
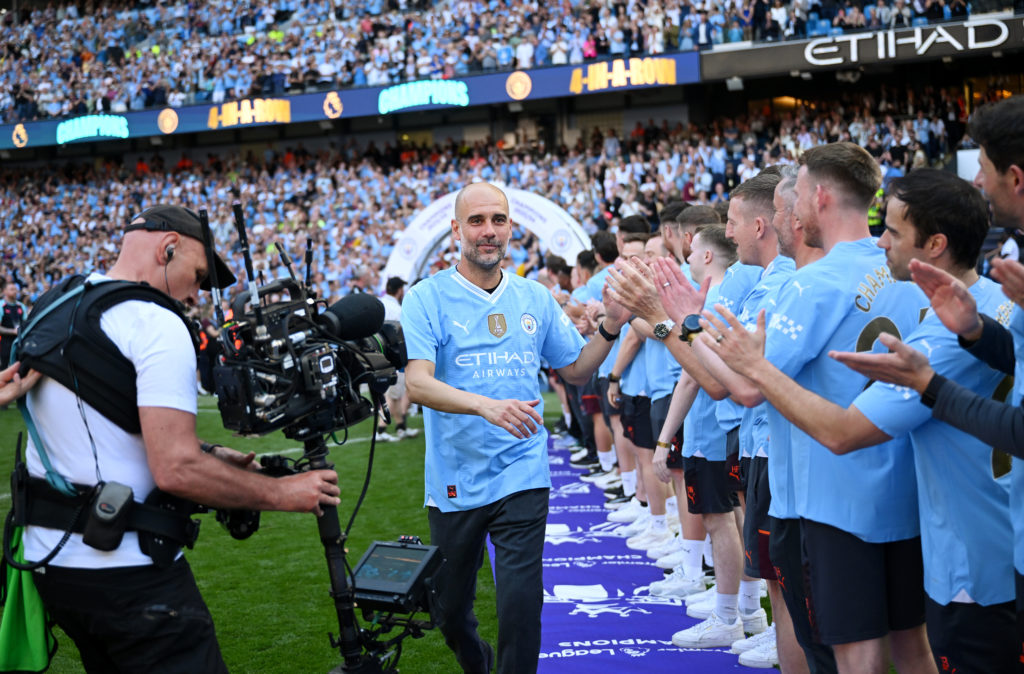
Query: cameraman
x=123 y=611
x=476 y=337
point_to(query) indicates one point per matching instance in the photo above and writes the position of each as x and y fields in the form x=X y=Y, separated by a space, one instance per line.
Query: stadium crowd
x=71 y=59
x=355 y=200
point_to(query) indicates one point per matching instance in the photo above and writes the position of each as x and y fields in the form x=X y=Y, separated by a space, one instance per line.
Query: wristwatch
x=662 y=329
x=690 y=328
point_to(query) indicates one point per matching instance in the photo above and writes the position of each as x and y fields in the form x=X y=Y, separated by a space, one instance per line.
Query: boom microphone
x=355 y=316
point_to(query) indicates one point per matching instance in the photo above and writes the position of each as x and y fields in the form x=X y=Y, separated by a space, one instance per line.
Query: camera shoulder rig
x=62 y=338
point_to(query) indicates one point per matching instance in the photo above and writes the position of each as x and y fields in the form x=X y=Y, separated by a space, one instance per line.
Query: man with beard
x=476 y=337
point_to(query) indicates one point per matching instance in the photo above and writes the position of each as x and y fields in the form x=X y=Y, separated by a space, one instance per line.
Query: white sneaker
x=578 y=454
x=406 y=433
x=594 y=477
x=639 y=525
x=676 y=585
x=764 y=656
x=754 y=622
x=384 y=436
x=627 y=513
x=750 y=643
x=671 y=547
x=649 y=539
x=701 y=597
x=609 y=480
x=702 y=610
x=711 y=633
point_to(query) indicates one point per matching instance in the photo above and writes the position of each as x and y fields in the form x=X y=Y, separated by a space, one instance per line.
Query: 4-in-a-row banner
x=979 y=36
x=520 y=85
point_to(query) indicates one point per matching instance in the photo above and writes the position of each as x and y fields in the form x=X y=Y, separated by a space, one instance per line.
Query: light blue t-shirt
x=702 y=435
x=1017 y=473
x=966 y=531
x=491 y=344
x=634 y=376
x=754 y=424
x=740 y=280
x=843 y=301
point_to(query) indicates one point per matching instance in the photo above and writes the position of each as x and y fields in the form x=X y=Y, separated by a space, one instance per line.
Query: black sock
x=400 y=427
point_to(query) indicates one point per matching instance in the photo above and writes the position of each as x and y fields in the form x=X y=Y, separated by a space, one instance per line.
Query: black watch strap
x=607 y=335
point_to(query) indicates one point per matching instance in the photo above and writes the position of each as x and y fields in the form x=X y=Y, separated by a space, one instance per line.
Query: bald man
x=476 y=337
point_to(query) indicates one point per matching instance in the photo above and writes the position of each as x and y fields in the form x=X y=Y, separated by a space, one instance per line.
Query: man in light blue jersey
x=999 y=130
x=966 y=532
x=761 y=222
x=475 y=338
x=858 y=512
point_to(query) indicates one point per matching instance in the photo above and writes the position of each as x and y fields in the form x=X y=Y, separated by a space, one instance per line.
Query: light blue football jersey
x=490 y=344
x=966 y=531
x=702 y=435
x=740 y=280
x=843 y=302
x=754 y=424
x=1017 y=473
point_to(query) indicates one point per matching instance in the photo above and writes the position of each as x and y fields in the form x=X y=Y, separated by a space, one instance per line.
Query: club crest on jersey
x=529 y=324
x=496 y=324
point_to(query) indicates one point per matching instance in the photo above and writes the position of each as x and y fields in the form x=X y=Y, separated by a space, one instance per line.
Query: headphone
x=169 y=253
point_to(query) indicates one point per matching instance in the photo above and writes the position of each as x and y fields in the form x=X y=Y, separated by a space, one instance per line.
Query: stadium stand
x=60 y=61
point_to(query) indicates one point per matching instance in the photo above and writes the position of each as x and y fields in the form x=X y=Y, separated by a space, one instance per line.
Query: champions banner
x=505 y=87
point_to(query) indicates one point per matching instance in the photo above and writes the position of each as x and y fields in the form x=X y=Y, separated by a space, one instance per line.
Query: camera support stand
x=333 y=540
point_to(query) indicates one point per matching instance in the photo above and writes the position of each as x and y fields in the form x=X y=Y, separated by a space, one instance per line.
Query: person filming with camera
x=106 y=441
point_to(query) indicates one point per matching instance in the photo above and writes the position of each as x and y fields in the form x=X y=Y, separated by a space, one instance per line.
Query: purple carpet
x=598 y=615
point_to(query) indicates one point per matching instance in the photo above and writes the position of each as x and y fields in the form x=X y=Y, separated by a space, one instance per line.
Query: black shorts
x=707 y=486
x=785 y=547
x=757 y=562
x=636 y=421
x=973 y=638
x=744 y=472
x=659 y=411
x=589 y=404
x=607 y=411
x=860 y=590
x=732 y=457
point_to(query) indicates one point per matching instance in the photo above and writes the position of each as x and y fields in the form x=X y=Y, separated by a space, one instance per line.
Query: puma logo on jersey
x=465 y=327
x=800 y=288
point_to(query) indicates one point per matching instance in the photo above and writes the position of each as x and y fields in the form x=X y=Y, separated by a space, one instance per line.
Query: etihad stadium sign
x=975 y=37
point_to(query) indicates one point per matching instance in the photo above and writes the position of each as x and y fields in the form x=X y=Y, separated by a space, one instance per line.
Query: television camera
x=287 y=365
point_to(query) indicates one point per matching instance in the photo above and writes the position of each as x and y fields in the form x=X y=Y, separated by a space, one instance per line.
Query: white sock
x=568 y=417
x=607 y=460
x=692 y=551
x=750 y=595
x=658 y=523
x=709 y=553
x=671 y=504
x=629 y=482
x=725 y=606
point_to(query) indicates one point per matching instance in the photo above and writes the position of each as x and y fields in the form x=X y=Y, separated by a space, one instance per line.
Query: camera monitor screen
x=392 y=568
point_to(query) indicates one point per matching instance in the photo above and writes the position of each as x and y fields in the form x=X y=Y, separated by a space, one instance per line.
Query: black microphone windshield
x=355 y=316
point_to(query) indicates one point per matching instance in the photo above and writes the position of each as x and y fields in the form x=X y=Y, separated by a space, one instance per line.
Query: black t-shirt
x=12 y=316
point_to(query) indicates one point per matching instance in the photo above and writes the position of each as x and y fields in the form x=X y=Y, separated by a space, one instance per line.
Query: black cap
x=166 y=218
x=394 y=284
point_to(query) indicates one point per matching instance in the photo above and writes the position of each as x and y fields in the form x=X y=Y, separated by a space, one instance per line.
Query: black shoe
x=614 y=492
x=588 y=462
x=594 y=471
x=559 y=427
x=618 y=501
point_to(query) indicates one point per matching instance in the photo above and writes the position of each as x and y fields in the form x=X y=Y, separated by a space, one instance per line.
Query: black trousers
x=516 y=526
x=134 y=618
